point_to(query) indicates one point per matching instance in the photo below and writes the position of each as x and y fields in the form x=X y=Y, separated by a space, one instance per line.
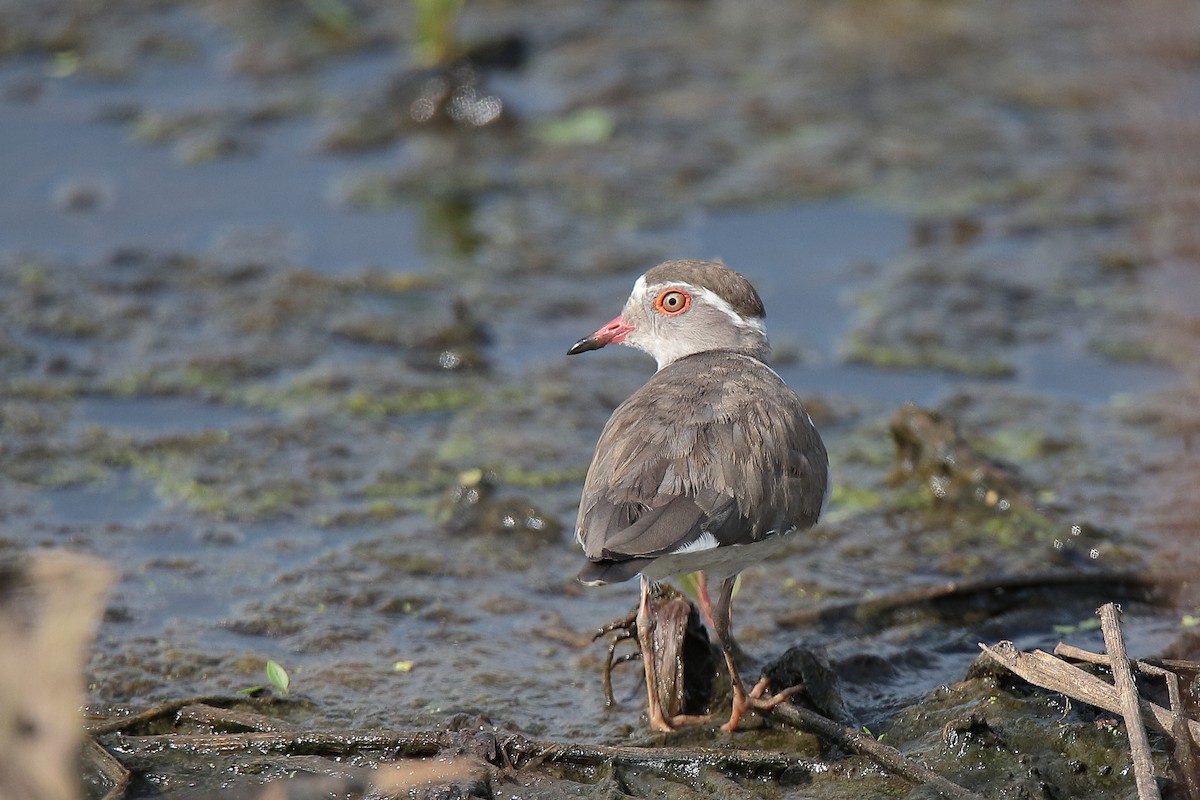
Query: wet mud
x=283 y=312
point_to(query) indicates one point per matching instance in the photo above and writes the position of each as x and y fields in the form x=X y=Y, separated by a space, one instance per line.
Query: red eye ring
x=673 y=302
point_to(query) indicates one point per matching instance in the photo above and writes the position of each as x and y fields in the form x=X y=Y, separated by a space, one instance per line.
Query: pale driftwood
x=1185 y=754
x=1044 y=670
x=1130 y=702
x=1158 y=667
x=889 y=758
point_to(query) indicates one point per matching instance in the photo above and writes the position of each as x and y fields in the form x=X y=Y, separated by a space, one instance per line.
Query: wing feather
x=714 y=443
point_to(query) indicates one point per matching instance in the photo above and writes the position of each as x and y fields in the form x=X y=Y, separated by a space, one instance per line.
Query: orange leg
x=723 y=625
x=706 y=606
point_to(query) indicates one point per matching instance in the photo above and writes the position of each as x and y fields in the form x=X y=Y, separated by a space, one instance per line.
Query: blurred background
x=286 y=287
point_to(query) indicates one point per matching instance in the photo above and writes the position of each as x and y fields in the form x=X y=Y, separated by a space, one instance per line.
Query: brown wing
x=713 y=444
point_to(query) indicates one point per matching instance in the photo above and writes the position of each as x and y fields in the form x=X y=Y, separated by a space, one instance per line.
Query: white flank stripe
x=706 y=541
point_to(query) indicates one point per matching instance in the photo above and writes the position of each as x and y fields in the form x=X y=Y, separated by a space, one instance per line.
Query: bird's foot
x=624 y=626
x=623 y=630
x=664 y=724
x=754 y=701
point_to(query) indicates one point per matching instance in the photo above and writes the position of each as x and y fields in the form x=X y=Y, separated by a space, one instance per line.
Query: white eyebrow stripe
x=719 y=303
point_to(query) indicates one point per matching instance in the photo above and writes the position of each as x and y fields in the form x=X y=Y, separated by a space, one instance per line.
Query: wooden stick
x=166 y=708
x=512 y=750
x=1079 y=654
x=889 y=758
x=500 y=748
x=109 y=767
x=229 y=719
x=1063 y=650
x=1135 y=727
x=1044 y=670
x=1185 y=755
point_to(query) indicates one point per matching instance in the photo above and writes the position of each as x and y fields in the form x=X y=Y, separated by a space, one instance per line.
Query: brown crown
x=727 y=284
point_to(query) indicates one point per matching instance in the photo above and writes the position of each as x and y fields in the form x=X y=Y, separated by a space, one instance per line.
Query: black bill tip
x=586 y=344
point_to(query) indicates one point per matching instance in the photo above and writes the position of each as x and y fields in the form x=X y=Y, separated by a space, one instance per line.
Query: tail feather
x=598 y=573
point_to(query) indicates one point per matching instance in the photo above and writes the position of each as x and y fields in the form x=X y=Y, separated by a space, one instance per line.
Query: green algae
x=973 y=731
x=847 y=501
x=429 y=478
x=223 y=377
x=860 y=350
x=409 y=402
x=373 y=513
x=1024 y=444
x=1136 y=350
x=413 y=564
x=180 y=468
x=532 y=478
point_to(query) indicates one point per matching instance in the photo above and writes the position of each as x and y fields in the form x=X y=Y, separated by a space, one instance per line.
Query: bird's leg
x=723 y=625
x=704 y=601
x=645 y=632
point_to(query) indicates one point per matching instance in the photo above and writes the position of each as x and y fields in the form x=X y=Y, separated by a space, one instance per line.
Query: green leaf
x=591 y=125
x=333 y=15
x=436 y=41
x=278 y=677
x=66 y=63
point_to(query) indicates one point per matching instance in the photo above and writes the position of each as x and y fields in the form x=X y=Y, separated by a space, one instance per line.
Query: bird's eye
x=672 y=302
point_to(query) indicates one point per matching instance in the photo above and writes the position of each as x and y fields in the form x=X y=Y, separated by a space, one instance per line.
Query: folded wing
x=717 y=454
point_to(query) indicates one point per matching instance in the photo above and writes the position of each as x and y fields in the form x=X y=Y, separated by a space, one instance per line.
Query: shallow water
x=243 y=406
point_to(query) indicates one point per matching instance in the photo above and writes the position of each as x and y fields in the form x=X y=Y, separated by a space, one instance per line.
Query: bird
x=708 y=466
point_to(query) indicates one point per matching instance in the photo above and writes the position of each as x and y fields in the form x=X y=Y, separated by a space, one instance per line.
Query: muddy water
x=261 y=372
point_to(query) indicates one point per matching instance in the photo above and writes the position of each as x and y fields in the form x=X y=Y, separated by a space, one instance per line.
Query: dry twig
x=229 y=719
x=1044 y=670
x=158 y=711
x=1127 y=693
x=502 y=748
x=112 y=770
x=889 y=758
x=1185 y=756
